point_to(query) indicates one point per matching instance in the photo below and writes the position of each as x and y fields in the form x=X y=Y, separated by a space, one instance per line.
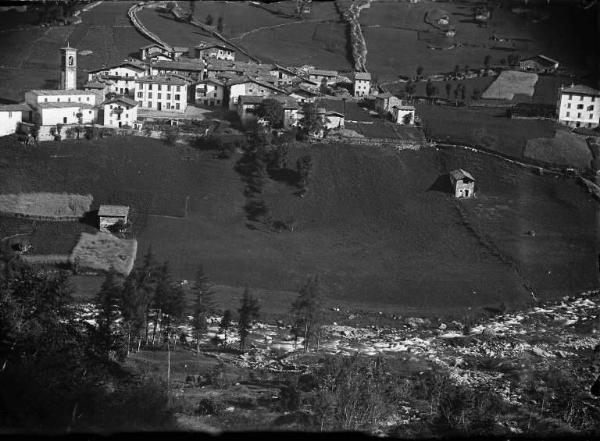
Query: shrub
x=210 y=406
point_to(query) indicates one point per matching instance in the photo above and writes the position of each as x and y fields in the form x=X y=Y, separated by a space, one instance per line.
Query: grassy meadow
x=376 y=225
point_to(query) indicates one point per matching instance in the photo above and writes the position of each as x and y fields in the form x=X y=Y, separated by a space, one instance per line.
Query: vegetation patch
x=510 y=83
x=56 y=206
x=103 y=251
x=564 y=149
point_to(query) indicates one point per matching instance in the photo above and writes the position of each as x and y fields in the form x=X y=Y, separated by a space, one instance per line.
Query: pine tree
x=248 y=311
x=204 y=305
x=226 y=323
x=169 y=301
x=108 y=312
x=134 y=305
x=306 y=312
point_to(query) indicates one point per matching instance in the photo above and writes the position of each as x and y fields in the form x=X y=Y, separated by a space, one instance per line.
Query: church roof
x=59 y=92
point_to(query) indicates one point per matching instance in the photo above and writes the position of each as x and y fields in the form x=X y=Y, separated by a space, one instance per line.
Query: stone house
x=463 y=183
x=109 y=215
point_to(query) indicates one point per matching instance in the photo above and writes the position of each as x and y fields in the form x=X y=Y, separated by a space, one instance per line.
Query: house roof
x=163 y=79
x=180 y=49
x=153 y=45
x=362 y=76
x=581 y=90
x=73 y=105
x=323 y=73
x=286 y=101
x=95 y=85
x=543 y=60
x=113 y=210
x=250 y=99
x=121 y=99
x=246 y=79
x=204 y=46
x=53 y=92
x=190 y=65
x=138 y=65
x=302 y=90
x=460 y=174
x=22 y=107
x=404 y=107
x=212 y=80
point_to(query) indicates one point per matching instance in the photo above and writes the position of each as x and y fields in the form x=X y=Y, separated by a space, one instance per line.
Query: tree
x=323 y=87
x=220 y=24
x=306 y=312
x=248 y=312
x=407 y=119
x=311 y=123
x=486 y=61
x=168 y=301
x=410 y=88
x=209 y=20
x=108 y=311
x=303 y=167
x=271 y=110
x=170 y=134
x=226 y=323
x=448 y=89
x=463 y=92
x=133 y=308
x=419 y=72
x=429 y=89
x=204 y=305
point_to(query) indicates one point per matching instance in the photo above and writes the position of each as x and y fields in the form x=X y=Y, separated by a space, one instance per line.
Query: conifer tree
x=306 y=312
x=226 y=323
x=108 y=312
x=204 y=305
x=133 y=307
x=248 y=311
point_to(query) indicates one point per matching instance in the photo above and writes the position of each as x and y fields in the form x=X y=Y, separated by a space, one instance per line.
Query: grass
x=103 y=251
x=510 y=83
x=372 y=225
x=488 y=128
x=395 y=26
x=48 y=205
x=566 y=149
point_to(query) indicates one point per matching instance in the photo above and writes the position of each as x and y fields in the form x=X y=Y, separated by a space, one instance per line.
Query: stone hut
x=463 y=183
x=110 y=215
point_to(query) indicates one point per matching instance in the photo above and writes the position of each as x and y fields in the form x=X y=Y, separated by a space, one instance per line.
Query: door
x=64 y=119
x=159 y=106
x=120 y=123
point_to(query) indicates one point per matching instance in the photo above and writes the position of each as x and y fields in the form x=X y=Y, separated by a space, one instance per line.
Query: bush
x=210 y=406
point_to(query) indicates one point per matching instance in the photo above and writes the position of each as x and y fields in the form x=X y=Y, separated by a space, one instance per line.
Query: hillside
x=374 y=225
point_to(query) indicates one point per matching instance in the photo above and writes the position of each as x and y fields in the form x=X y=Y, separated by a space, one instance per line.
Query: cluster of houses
x=164 y=81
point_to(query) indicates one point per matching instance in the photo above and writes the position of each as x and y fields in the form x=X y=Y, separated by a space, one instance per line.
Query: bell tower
x=68 y=68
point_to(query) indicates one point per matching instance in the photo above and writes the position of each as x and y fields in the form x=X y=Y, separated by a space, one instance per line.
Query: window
x=593 y=99
x=10 y=114
x=580 y=97
x=177 y=106
x=169 y=88
x=89 y=112
x=159 y=95
x=87 y=98
x=149 y=104
x=568 y=114
x=149 y=95
x=79 y=98
x=45 y=100
x=579 y=115
x=168 y=96
x=58 y=100
x=570 y=97
x=591 y=108
x=69 y=99
x=168 y=106
x=177 y=97
x=140 y=94
x=127 y=115
x=140 y=103
x=591 y=116
x=579 y=106
x=178 y=89
x=568 y=105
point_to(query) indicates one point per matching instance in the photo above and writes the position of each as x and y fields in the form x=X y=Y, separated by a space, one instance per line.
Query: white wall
x=399 y=115
x=569 y=112
x=84 y=97
x=362 y=87
x=207 y=92
x=249 y=88
x=55 y=116
x=149 y=92
x=128 y=116
x=9 y=121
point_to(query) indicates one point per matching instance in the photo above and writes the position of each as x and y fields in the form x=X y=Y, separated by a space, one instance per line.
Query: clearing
x=510 y=83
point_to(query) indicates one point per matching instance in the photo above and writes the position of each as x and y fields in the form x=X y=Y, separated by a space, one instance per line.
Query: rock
x=561 y=354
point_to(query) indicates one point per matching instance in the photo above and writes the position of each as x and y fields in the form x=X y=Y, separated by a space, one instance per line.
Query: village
x=438 y=220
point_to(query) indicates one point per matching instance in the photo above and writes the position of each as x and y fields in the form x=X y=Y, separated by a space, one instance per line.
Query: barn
x=110 y=215
x=463 y=183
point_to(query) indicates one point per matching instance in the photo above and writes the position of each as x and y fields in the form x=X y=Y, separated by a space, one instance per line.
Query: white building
x=154 y=51
x=190 y=68
x=210 y=92
x=122 y=76
x=362 y=84
x=119 y=112
x=318 y=75
x=246 y=108
x=53 y=107
x=10 y=117
x=250 y=87
x=403 y=114
x=216 y=51
x=162 y=93
x=579 y=106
